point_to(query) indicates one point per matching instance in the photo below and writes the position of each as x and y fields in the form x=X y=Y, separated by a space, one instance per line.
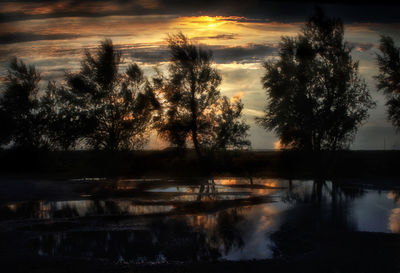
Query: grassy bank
x=344 y=164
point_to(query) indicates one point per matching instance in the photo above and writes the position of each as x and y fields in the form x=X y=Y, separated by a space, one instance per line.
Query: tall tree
x=20 y=125
x=315 y=96
x=114 y=109
x=62 y=126
x=389 y=77
x=194 y=110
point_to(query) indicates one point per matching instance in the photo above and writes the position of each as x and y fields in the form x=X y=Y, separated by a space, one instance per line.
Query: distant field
x=169 y=163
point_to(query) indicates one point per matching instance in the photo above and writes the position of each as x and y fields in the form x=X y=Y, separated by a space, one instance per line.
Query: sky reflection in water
x=230 y=219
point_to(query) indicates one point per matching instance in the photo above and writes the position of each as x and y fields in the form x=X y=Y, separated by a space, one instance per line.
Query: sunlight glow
x=237 y=97
x=278 y=145
x=240 y=44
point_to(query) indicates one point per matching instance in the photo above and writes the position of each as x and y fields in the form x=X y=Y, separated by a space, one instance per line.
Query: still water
x=147 y=221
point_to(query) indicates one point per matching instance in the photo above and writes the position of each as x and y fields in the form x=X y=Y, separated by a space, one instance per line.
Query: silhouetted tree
x=20 y=125
x=316 y=99
x=194 y=110
x=389 y=77
x=62 y=126
x=112 y=109
x=231 y=130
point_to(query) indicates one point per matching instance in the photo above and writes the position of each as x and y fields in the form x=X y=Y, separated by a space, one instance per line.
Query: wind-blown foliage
x=389 y=78
x=194 y=110
x=316 y=99
x=231 y=131
x=108 y=109
x=63 y=127
x=20 y=124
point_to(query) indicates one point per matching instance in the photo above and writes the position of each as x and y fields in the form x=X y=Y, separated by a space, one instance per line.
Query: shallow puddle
x=220 y=219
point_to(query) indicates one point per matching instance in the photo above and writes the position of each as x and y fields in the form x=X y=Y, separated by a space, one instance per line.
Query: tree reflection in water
x=321 y=209
x=274 y=217
x=207 y=190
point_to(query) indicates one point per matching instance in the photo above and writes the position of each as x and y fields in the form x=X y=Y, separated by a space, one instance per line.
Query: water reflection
x=222 y=189
x=237 y=233
x=266 y=182
x=221 y=219
x=130 y=184
x=395 y=196
x=78 y=208
x=169 y=240
x=394 y=220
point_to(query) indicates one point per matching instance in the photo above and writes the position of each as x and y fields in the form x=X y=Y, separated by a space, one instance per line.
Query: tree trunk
x=193 y=109
x=196 y=143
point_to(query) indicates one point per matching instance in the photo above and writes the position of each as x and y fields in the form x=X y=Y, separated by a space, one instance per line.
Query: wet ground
x=195 y=225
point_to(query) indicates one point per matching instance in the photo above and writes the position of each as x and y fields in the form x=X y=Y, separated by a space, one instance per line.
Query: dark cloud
x=218 y=37
x=240 y=54
x=148 y=53
x=251 y=10
x=362 y=47
x=20 y=37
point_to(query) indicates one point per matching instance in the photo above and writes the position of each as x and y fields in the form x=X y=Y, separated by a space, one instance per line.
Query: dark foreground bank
x=286 y=164
x=352 y=252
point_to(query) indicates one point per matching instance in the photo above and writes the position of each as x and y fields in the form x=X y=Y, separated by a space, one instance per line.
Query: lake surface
x=156 y=221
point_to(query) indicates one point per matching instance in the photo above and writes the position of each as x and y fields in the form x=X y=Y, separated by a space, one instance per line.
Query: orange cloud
x=237 y=97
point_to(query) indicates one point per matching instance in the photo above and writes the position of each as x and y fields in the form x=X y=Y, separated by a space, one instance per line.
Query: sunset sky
x=53 y=34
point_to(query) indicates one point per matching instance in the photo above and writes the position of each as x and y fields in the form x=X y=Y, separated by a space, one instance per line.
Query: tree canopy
x=195 y=112
x=315 y=97
x=20 y=125
x=389 y=78
x=100 y=107
x=108 y=109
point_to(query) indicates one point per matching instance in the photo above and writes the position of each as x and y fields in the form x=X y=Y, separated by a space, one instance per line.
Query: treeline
x=316 y=99
x=101 y=107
